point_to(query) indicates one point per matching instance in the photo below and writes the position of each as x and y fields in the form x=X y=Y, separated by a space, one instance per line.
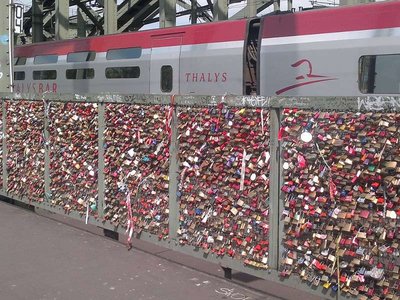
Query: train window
x=81 y=56
x=19 y=61
x=166 y=79
x=45 y=59
x=45 y=75
x=122 y=72
x=126 y=53
x=79 y=74
x=19 y=75
x=379 y=74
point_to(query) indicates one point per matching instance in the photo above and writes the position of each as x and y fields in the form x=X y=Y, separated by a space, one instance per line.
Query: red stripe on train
x=350 y=18
x=198 y=34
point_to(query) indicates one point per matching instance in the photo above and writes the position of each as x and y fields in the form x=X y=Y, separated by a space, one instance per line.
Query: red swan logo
x=306 y=79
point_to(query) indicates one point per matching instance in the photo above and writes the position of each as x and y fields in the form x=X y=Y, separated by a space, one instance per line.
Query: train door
x=251 y=57
x=164 y=64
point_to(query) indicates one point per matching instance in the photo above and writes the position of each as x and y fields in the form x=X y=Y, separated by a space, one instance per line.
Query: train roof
x=224 y=31
x=377 y=15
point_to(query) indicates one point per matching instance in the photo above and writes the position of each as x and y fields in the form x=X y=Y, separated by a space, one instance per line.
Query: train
x=342 y=51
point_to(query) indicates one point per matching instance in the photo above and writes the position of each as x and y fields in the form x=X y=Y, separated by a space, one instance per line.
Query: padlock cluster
x=136 y=156
x=223 y=187
x=25 y=147
x=341 y=210
x=73 y=144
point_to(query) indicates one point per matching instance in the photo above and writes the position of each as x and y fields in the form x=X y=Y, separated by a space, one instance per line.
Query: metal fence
x=303 y=191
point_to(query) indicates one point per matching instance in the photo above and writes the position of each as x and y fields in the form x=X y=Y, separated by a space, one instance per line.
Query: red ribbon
x=332 y=188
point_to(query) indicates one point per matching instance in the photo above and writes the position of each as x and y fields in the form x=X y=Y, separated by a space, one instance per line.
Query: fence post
x=100 y=172
x=274 y=236
x=4 y=133
x=47 y=147
x=173 y=173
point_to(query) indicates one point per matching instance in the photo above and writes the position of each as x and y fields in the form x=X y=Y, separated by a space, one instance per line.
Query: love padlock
x=340 y=178
x=73 y=156
x=223 y=182
x=25 y=143
x=136 y=167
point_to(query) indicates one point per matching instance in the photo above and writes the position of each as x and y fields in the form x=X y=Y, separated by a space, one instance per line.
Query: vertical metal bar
x=280 y=196
x=173 y=182
x=11 y=43
x=47 y=179
x=277 y=5
x=110 y=17
x=220 y=10
x=167 y=13
x=193 y=12
x=37 y=21
x=289 y=5
x=274 y=234
x=4 y=119
x=100 y=176
x=251 y=8
x=82 y=23
x=62 y=19
x=5 y=48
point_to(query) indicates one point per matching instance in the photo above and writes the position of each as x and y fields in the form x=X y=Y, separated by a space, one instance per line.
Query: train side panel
x=325 y=60
x=212 y=69
x=139 y=85
x=325 y=68
x=201 y=59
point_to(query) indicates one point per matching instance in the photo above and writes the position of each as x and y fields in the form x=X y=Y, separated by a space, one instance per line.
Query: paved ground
x=43 y=258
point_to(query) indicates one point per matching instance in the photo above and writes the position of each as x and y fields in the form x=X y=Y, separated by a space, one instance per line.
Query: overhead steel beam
x=124 y=14
x=81 y=20
x=133 y=14
x=211 y=6
x=261 y=5
x=128 y=10
x=353 y=2
x=48 y=25
x=135 y=22
x=199 y=9
x=150 y=19
x=34 y=17
x=126 y=6
x=91 y=14
x=155 y=19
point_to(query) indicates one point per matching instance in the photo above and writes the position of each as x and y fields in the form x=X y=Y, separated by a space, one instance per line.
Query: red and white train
x=345 y=51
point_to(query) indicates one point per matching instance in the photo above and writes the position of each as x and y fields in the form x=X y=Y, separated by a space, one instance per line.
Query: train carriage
x=345 y=51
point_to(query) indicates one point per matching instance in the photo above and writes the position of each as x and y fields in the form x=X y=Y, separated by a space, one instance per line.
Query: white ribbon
x=243 y=170
x=87 y=212
x=262 y=121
